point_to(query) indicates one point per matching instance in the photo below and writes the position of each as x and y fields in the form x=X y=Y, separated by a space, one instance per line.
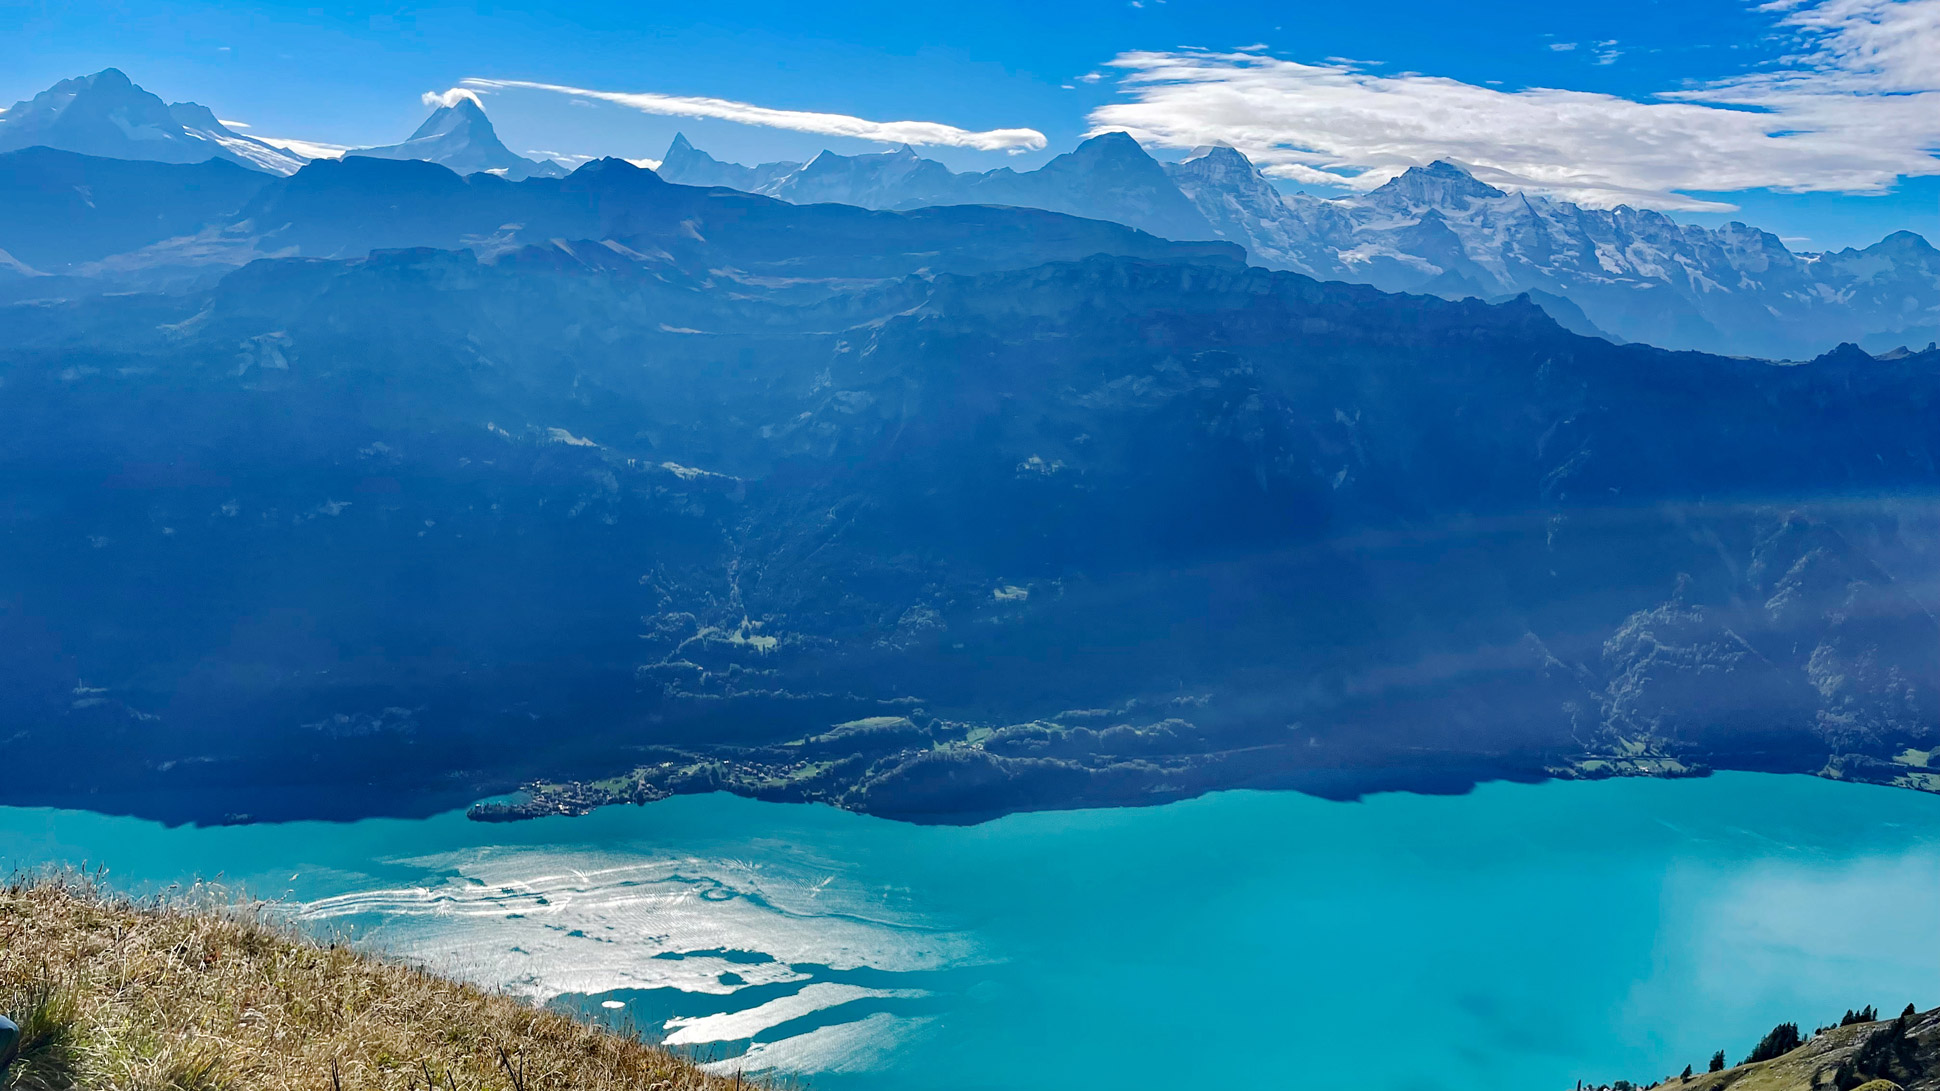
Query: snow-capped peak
x=458 y=135
x=106 y=114
x=1440 y=184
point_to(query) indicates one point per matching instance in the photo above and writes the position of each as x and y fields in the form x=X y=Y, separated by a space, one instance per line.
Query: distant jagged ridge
x=106 y=114
x=1624 y=273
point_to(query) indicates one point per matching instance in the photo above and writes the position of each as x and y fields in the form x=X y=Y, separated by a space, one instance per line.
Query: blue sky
x=1340 y=90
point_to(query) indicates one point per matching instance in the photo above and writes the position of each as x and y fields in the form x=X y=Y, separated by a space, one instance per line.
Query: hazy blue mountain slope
x=381 y=534
x=60 y=211
x=1108 y=177
x=178 y=226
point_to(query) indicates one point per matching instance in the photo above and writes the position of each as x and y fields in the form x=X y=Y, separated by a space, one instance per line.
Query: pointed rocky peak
x=686 y=165
x=1847 y=354
x=1224 y=155
x=1108 y=156
x=612 y=165
x=612 y=175
x=1110 y=147
x=108 y=115
x=464 y=117
x=884 y=179
x=459 y=136
x=109 y=83
x=1903 y=244
x=194 y=115
x=1219 y=164
x=83 y=100
x=1439 y=184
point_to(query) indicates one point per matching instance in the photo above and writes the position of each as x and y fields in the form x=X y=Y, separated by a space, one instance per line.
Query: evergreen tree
x=1687 y=1073
x=1717 y=1061
x=1783 y=1039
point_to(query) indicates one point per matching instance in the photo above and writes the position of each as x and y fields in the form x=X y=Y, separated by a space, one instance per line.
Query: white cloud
x=1561 y=47
x=889 y=132
x=228 y=124
x=1853 y=108
x=451 y=97
x=308 y=149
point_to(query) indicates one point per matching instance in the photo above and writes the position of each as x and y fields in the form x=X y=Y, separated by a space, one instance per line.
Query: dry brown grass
x=178 y=998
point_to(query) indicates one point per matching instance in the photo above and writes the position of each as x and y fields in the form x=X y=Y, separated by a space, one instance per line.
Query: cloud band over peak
x=929 y=133
x=450 y=98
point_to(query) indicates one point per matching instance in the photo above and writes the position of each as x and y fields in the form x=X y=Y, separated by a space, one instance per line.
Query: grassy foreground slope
x=113 y=996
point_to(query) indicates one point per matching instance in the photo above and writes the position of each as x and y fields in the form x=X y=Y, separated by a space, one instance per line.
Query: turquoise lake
x=1519 y=936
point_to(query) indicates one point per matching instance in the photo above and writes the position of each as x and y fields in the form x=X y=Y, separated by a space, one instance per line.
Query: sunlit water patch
x=1525 y=935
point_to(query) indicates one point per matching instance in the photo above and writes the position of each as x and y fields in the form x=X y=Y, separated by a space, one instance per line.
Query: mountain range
x=377 y=488
x=1624 y=274
x=1629 y=274
x=108 y=115
x=1108 y=178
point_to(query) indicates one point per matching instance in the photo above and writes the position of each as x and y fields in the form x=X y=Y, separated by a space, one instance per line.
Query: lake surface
x=1520 y=936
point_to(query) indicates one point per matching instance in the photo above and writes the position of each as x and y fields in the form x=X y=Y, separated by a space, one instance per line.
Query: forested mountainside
x=934 y=514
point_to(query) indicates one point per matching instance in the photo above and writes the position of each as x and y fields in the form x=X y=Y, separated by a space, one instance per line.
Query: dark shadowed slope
x=381 y=534
x=158 y=225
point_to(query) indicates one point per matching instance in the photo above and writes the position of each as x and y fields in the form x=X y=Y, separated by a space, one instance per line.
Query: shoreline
x=573 y=799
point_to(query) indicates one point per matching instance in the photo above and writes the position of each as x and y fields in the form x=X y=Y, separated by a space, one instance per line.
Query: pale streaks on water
x=761 y=939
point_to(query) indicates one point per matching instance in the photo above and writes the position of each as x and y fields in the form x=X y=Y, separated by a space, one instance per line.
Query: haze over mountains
x=376 y=487
x=108 y=115
x=1626 y=274
x=1634 y=274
